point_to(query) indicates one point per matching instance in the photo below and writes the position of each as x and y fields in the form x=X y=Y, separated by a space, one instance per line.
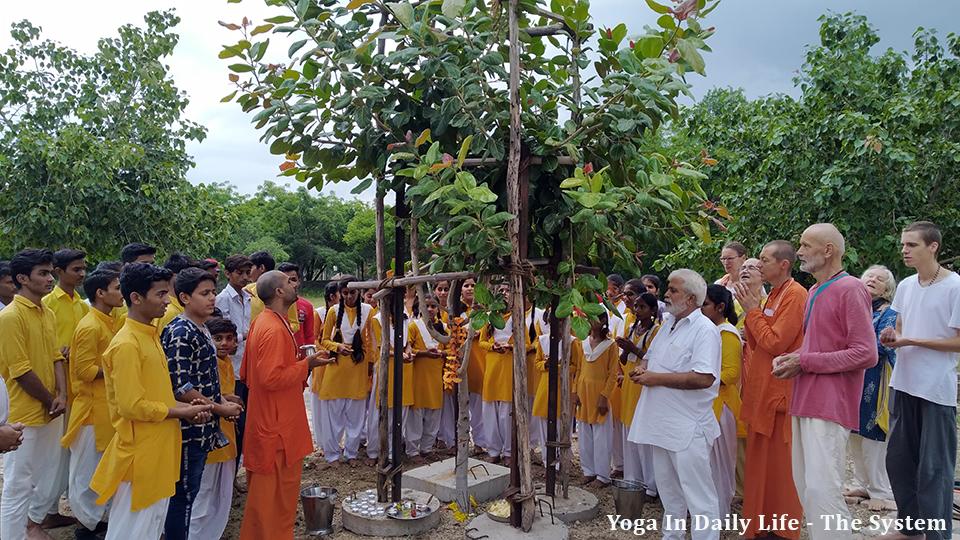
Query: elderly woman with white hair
x=868 y=445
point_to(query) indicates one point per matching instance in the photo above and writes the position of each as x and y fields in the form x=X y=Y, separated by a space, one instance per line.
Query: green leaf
x=482 y=194
x=648 y=46
x=261 y=29
x=466 y=181
x=228 y=97
x=433 y=154
x=492 y=58
x=279 y=19
x=701 y=230
x=497 y=321
x=296 y=46
x=619 y=32
x=403 y=11
x=580 y=327
x=666 y=22
x=498 y=219
x=362 y=186
x=659 y=8
x=661 y=180
x=589 y=200
x=464 y=149
x=479 y=319
x=689 y=53
x=354 y=4
x=229 y=51
x=424 y=137
x=310 y=69
x=279 y=147
x=691 y=173
x=564 y=267
x=241 y=68
x=482 y=295
x=594 y=310
x=452 y=8
x=570 y=183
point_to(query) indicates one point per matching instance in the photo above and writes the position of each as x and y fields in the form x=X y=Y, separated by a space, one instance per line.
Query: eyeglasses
x=728 y=259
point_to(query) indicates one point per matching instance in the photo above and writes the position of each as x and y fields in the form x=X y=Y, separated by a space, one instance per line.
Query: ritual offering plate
x=499 y=511
x=408 y=510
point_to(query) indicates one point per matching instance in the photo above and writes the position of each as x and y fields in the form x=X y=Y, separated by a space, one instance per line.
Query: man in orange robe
x=772 y=328
x=277 y=436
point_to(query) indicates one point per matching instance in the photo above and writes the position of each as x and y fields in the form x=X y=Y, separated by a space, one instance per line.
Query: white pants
x=683 y=487
x=870 y=466
x=819 y=452
x=373 y=434
x=146 y=524
x=638 y=463
x=616 y=444
x=476 y=420
x=594 y=444
x=341 y=419
x=496 y=426
x=211 y=508
x=541 y=426
x=84 y=459
x=723 y=460
x=422 y=426
x=31 y=478
x=448 y=421
x=536 y=439
x=316 y=412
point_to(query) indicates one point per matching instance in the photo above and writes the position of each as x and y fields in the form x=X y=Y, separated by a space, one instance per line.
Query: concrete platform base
x=485 y=481
x=362 y=523
x=580 y=506
x=542 y=529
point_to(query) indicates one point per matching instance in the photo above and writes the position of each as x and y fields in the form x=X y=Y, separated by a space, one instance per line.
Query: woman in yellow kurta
x=718 y=307
x=383 y=337
x=595 y=384
x=536 y=325
x=474 y=371
x=331 y=297
x=541 y=399
x=424 y=418
x=497 y=345
x=344 y=388
x=641 y=327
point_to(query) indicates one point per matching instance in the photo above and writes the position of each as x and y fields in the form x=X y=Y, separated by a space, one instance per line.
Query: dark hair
x=189 y=279
x=178 y=262
x=220 y=325
x=97 y=281
x=718 y=294
x=357 y=343
x=289 y=267
x=140 y=277
x=652 y=278
x=605 y=319
x=113 y=266
x=5 y=269
x=739 y=248
x=63 y=257
x=636 y=284
x=131 y=251
x=783 y=250
x=237 y=262
x=25 y=261
x=929 y=232
x=651 y=302
x=264 y=259
x=331 y=289
x=617 y=279
x=207 y=264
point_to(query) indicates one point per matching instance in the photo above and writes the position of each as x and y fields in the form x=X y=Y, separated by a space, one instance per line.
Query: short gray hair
x=693 y=283
x=888 y=279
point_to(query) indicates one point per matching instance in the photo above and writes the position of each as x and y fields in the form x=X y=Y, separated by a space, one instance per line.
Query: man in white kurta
x=674 y=414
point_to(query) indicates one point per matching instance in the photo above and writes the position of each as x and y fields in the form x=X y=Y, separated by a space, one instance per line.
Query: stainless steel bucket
x=629 y=498
x=318 y=505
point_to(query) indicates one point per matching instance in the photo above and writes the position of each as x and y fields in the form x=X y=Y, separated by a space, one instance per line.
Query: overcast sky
x=759 y=46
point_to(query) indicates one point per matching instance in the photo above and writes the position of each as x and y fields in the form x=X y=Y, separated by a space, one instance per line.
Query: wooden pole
x=553 y=364
x=566 y=413
x=381 y=386
x=401 y=213
x=463 y=424
x=521 y=413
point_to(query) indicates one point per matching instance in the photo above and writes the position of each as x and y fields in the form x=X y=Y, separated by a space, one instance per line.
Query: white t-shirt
x=669 y=417
x=931 y=312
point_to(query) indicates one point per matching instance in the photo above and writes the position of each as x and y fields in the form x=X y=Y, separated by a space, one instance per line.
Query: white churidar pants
x=870 y=466
x=496 y=426
x=819 y=451
x=211 y=508
x=341 y=419
x=146 y=524
x=476 y=421
x=84 y=459
x=595 y=441
x=448 y=421
x=723 y=460
x=683 y=487
x=638 y=463
x=373 y=433
x=422 y=426
x=31 y=478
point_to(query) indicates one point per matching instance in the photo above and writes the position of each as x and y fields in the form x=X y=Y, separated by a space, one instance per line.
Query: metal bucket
x=629 y=498
x=318 y=505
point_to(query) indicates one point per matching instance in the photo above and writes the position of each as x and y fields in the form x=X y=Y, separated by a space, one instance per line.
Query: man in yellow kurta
x=141 y=465
x=70 y=268
x=32 y=367
x=89 y=430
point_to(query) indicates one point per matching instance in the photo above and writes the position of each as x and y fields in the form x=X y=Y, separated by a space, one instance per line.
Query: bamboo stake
x=381 y=386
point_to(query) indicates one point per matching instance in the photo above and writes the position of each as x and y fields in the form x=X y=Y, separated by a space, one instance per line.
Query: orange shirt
x=775 y=328
x=276 y=416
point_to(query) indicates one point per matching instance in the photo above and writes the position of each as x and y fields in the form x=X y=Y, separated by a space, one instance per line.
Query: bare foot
x=353 y=463
x=370 y=462
x=586 y=480
x=856 y=492
x=879 y=505
x=616 y=474
x=853 y=500
x=491 y=459
x=476 y=451
x=55 y=521
x=327 y=465
x=36 y=532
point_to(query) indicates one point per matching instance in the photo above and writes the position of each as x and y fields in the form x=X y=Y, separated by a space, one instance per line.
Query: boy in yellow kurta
x=211 y=508
x=89 y=430
x=423 y=423
x=595 y=384
x=541 y=400
x=141 y=465
x=343 y=391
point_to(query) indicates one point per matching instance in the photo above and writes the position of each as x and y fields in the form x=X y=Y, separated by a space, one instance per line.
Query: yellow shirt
x=497 y=367
x=68 y=310
x=257 y=307
x=89 y=407
x=228 y=385
x=629 y=390
x=28 y=343
x=346 y=379
x=427 y=371
x=543 y=385
x=145 y=450
x=731 y=360
x=407 y=393
x=174 y=308
x=597 y=377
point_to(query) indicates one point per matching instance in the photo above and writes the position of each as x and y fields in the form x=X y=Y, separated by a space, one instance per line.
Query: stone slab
x=384 y=526
x=542 y=529
x=581 y=505
x=485 y=481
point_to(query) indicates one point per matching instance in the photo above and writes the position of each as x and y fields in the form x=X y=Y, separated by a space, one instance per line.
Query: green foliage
x=871 y=144
x=92 y=147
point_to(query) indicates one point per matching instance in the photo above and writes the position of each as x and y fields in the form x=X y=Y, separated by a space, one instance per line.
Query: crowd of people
x=139 y=399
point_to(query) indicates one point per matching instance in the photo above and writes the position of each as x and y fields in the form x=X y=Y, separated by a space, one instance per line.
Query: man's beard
x=676 y=309
x=813 y=264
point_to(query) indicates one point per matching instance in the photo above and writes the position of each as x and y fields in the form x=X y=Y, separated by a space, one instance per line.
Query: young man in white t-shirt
x=922 y=443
